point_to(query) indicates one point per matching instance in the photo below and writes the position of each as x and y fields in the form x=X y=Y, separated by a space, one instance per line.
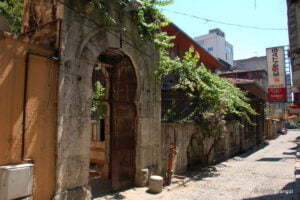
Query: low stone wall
x=272 y=127
x=191 y=145
x=180 y=134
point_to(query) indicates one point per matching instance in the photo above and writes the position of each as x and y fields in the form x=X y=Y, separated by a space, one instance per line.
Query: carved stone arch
x=97 y=42
x=79 y=54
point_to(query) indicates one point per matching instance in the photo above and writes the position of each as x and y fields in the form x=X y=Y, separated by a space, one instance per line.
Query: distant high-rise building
x=215 y=43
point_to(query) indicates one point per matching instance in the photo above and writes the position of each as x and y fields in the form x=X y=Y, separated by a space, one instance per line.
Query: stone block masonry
x=191 y=146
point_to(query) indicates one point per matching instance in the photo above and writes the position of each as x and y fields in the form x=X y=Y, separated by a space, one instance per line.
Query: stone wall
x=272 y=127
x=191 y=144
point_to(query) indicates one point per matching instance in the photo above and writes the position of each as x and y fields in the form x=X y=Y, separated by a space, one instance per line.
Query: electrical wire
x=224 y=23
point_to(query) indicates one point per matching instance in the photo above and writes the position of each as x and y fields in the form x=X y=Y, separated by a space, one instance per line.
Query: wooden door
x=123 y=124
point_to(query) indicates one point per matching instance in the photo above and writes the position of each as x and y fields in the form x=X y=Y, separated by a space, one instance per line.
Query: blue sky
x=246 y=42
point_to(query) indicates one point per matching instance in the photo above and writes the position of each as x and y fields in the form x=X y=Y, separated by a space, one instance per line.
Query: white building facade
x=215 y=43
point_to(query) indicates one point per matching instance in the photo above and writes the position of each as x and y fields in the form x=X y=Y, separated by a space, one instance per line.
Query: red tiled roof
x=183 y=42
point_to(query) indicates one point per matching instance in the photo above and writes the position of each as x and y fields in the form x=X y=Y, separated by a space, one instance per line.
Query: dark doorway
x=118 y=122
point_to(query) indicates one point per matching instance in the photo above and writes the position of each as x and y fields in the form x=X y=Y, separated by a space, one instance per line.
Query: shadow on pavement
x=199 y=174
x=110 y=196
x=289 y=153
x=286 y=193
x=253 y=150
x=274 y=159
x=274 y=197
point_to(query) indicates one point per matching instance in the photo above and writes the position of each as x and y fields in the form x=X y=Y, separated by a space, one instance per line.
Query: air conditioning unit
x=16 y=181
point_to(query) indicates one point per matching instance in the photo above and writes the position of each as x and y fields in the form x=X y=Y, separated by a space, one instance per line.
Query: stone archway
x=74 y=109
x=113 y=146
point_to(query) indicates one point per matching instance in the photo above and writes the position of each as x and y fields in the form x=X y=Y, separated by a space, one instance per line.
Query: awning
x=294 y=109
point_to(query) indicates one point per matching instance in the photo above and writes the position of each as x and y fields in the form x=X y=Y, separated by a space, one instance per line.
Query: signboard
x=294 y=109
x=276 y=94
x=276 y=74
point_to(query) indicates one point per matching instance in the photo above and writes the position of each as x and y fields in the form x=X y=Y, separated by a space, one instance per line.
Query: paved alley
x=264 y=174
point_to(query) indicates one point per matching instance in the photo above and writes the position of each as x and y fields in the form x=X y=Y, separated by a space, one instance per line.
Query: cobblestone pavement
x=264 y=174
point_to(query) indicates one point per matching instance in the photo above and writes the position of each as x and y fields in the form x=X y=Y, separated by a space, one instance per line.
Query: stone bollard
x=156 y=184
x=142 y=178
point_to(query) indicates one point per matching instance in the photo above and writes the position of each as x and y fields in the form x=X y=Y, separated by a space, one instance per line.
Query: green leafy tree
x=12 y=10
x=211 y=93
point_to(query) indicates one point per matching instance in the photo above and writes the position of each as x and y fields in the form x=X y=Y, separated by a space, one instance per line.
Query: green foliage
x=215 y=97
x=212 y=93
x=12 y=10
x=150 y=20
x=97 y=102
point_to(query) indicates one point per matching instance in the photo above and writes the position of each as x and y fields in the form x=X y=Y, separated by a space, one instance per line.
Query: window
x=98 y=130
x=201 y=42
x=210 y=49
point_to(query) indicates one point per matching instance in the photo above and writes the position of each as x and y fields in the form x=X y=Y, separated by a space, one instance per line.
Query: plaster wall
x=41 y=123
x=11 y=97
x=31 y=139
